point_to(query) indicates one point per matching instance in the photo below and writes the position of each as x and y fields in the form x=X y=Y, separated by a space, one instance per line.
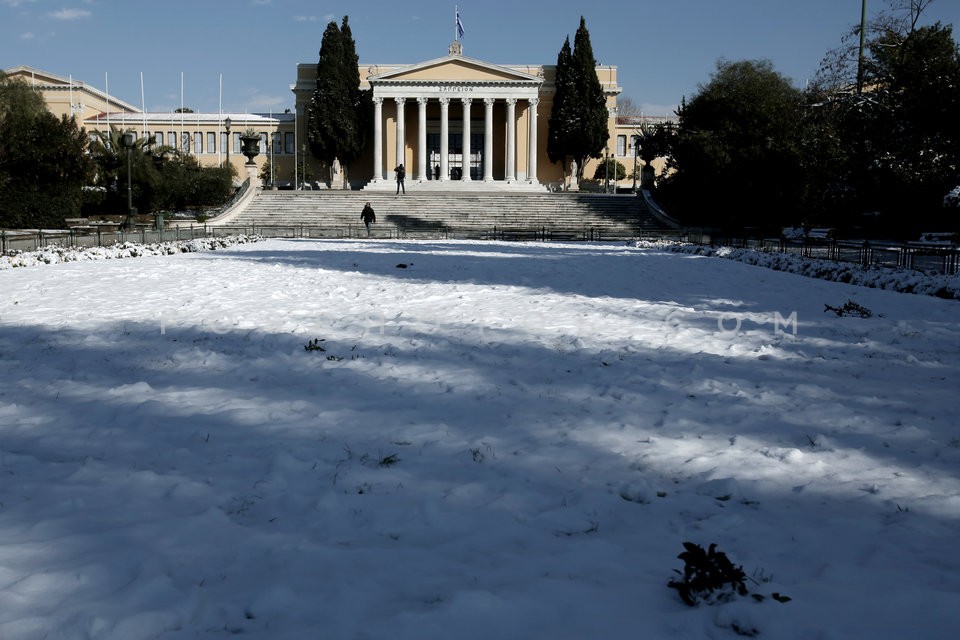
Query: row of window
x=622 y=148
x=197 y=143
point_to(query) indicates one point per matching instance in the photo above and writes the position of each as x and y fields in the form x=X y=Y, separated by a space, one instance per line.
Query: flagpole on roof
x=219 y=122
x=106 y=85
x=181 y=114
x=143 y=102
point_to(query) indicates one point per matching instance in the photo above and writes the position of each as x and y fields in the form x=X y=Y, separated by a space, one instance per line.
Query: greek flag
x=459 y=25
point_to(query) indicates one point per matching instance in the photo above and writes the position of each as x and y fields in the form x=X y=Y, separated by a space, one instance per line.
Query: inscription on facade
x=456 y=89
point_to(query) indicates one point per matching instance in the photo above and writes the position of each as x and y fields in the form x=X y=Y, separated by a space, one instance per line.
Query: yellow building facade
x=454 y=122
x=458 y=122
x=212 y=138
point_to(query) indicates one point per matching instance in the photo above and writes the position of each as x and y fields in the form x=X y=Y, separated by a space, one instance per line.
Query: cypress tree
x=336 y=115
x=564 y=102
x=360 y=101
x=590 y=131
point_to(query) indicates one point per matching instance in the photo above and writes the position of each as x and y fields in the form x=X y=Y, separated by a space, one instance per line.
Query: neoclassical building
x=458 y=120
x=454 y=122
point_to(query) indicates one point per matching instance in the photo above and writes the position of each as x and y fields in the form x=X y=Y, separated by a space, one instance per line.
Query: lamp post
x=636 y=146
x=226 y=124
x=606 y=169
x=127 y=141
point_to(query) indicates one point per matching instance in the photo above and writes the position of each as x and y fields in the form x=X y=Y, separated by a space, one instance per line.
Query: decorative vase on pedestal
x=250 y=147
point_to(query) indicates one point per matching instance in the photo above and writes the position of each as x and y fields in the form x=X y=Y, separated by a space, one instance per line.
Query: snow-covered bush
x=952 y=199
x=58 y=254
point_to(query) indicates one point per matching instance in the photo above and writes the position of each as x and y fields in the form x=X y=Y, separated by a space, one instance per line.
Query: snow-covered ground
x=451 y=439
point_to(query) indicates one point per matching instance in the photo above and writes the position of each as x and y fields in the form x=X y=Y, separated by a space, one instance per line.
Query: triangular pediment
x=36 y=76
x=454 y=69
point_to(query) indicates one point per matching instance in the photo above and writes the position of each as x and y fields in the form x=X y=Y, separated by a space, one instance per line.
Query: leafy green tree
x=339 y=112
x=893 y=147
x=654 y=142
x=578 y=121
x=736 y=152
x=916 y=122
x=110 y=157
x=43 y=167
x=184 y=184
x=610 y=169
x=161 y=177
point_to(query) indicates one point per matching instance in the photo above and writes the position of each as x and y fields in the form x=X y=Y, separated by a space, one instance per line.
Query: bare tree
x=627 y=108
x=838 y=69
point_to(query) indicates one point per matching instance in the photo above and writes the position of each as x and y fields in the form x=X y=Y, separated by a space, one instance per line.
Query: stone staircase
x=542 y=216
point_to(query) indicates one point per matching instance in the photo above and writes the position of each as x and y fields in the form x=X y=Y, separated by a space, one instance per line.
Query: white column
x=401 y=132
x=532 y=144
x=422 y=139
x=465 y=158
x=511 y=139
x=444 y=142
x=488 y=139
x=377 y=139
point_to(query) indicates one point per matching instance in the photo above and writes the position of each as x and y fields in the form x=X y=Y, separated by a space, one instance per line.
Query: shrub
x=708 y=576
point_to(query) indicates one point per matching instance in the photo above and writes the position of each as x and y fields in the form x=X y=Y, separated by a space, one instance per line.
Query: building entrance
x=456 y=164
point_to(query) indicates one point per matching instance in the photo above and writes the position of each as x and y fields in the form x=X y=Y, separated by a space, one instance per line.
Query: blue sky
x=663 y=49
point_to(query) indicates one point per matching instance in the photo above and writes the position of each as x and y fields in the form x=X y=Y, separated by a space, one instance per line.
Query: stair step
x=459 y=212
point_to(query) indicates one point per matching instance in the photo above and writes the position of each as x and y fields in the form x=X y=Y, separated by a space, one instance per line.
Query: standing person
x=368 y=217
x=436 y=172
x=401 y=174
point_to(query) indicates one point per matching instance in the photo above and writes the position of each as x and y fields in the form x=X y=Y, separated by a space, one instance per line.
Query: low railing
x=928 y=258
x=919 y=256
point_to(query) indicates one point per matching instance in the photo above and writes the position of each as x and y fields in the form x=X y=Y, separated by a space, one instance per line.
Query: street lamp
x=127 y=141
x=226 y=124
x=636 y=146
x=606 y=169
x=273 y=143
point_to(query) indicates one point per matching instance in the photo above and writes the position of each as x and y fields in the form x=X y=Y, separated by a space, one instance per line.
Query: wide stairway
x=545 y=216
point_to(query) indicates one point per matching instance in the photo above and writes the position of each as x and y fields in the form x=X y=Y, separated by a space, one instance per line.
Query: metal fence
x=920 y=256
x=928 y=258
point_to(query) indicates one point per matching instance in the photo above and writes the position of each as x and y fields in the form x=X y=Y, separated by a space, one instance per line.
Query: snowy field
x=464 y=440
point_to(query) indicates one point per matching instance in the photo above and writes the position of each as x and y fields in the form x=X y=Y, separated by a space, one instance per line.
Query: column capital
x=534 y=101
x=444 y=101
x=378 y=100
x=399 y=100
x=489 y=101
x=422 y=100
x=466 y=100
x=511 y=101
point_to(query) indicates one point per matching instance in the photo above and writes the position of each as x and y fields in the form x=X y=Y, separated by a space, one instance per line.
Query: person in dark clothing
x=401 y=174
x=368 y=217
x=436 y=172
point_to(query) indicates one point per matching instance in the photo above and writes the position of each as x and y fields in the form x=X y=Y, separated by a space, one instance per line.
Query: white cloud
x=261 y=103
x=327 y=18
x=650 y=109
x=14 y=3
x=70 y=14
x=27 y=36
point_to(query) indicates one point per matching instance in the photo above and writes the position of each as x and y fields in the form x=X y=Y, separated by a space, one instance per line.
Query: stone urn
x=250 y=145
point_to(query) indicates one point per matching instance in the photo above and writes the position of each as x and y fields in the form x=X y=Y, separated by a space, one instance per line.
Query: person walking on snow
x=368 y=217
